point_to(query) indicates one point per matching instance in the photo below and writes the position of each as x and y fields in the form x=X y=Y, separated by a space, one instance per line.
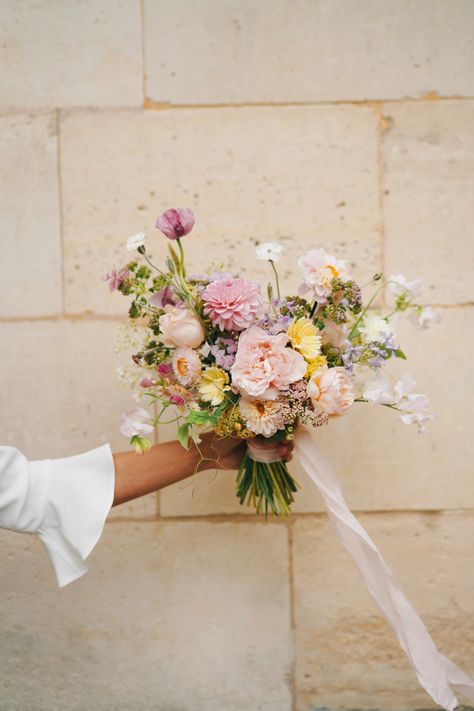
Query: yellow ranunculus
x=213 y=385
x=305 y=338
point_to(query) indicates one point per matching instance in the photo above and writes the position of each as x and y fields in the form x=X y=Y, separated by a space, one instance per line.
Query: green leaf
x=198 y=417
x=400 y=354
x=183 y=435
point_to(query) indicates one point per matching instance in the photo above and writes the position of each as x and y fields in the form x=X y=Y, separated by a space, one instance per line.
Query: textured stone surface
x=318 y=189
x=282 y=50
x=59 y=394
x=63 y=396
x=170 y=616
x=429 y=205
x=346 y=654
x=55 y=53
x=29 y=221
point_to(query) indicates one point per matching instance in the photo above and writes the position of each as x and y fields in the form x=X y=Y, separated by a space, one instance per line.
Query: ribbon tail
x=437 y=674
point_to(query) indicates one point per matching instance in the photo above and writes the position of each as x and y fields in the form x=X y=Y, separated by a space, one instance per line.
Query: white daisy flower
x=186 y=366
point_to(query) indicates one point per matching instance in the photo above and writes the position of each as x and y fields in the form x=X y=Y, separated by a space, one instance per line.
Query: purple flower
x=163 y=297
x=115 y=278
x=176 y=222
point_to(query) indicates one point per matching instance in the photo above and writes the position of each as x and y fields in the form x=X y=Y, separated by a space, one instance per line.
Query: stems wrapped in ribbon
x=264 y=481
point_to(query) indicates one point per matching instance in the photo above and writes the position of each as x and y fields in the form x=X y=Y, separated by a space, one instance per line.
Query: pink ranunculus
x=176 y=222
x=232 y=304
x=164 y=369
x=264 y=364
x=115 y=278
x=331 y=390
x=180 y=327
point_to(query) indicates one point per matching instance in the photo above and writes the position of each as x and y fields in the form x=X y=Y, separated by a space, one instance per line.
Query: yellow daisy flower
x=305 y=338
x=213 y=386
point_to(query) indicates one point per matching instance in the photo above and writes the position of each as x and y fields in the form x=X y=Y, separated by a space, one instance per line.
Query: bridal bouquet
x=220 y=351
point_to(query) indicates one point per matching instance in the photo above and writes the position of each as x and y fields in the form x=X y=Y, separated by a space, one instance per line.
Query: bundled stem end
x=269 y=487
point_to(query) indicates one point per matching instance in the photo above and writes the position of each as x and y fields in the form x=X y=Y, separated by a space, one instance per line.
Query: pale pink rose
x=180 y=327
x=264 y=365
x=232 y=304
x=318 y=269
x=331 y=390
x=176 y=222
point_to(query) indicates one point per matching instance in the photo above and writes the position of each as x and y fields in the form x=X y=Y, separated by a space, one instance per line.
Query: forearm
x=164 y=464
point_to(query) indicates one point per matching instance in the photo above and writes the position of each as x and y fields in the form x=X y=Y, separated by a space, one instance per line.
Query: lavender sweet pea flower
x=163 y=297
x=176 y=223
x=133 y=423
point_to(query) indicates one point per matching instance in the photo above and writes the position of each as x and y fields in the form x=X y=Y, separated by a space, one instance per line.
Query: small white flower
x=136 y=241
x=379 y=391
x=417 y=410
x=403 y=387
x=133 y=422
x=205 y=350
x=375 y=328
x=425 y=317
x=414 y=407
x=399 y=285
x=270 y=251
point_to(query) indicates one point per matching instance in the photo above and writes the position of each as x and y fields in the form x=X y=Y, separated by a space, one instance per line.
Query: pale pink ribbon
x=437 y=674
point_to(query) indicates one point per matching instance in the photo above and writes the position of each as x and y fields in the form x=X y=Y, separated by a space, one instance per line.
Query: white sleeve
x=63 y=501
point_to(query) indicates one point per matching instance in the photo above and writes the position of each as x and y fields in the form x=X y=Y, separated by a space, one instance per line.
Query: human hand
x=228 y=452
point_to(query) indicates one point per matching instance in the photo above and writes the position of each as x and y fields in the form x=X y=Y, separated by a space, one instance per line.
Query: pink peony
x=232 y=304
x=331 y=390
x=264 y=365
x=176 y=223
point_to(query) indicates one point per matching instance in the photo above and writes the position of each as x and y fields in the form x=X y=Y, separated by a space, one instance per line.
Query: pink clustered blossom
x=116 y=277
x=232 y=304
x=264 y=364
x=176 y=222
x=224 y=351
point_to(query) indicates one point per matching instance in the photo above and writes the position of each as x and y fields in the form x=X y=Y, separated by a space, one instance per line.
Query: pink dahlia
x=232 y=304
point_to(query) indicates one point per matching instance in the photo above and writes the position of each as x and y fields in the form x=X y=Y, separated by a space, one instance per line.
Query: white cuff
x=80 y=492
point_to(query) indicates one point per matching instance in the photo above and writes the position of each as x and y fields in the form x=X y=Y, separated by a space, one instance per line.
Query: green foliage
x=183 y=435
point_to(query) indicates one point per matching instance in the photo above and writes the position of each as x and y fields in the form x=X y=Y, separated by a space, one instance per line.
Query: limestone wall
x=347 y=124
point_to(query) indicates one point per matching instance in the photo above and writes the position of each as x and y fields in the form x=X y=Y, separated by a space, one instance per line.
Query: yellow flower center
x=260 y=408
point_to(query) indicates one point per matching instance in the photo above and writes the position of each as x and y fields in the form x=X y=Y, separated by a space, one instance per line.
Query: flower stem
x=276 y=277
x=377 y=292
